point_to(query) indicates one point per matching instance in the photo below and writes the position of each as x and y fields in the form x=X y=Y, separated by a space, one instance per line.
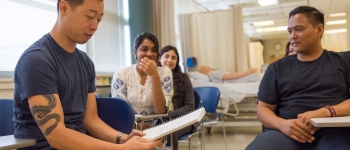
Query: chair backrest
x=210 y=97
x=6 y=114
x=116 y=112
x=197 y=100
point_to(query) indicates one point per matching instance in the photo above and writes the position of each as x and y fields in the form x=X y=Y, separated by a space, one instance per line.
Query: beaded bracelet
x=331 y=109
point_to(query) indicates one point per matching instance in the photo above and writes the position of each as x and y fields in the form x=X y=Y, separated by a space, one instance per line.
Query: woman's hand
x=142 y=126
x=149 y=67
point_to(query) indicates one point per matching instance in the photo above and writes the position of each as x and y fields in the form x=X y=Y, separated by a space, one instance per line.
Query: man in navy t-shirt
x=312 y=84
x=55 y=84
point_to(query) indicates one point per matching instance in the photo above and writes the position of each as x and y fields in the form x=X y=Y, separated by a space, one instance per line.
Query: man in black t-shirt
x=312 y=84
x=54 y=88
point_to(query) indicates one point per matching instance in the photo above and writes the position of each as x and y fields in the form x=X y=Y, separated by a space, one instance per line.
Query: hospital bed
x=243 y=98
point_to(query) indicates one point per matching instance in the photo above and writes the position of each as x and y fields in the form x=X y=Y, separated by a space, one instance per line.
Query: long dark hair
x=178 y=76
x=287 y=49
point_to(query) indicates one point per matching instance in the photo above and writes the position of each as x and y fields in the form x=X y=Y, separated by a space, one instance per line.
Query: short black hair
x=72 y=3
x=145 y=35
x=313 y=15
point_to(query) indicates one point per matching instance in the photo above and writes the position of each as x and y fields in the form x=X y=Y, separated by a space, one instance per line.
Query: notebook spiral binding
x=173 y=118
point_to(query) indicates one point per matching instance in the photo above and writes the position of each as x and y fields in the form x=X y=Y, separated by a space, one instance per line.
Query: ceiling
x=253 y=12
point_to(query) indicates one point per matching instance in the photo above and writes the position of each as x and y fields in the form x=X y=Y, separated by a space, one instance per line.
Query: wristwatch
x=118 y=138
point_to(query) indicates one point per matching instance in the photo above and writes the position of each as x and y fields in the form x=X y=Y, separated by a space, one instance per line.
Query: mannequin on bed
x=220 y=76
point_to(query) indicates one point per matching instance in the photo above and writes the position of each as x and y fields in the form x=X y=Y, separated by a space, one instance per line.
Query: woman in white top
x=146 y=86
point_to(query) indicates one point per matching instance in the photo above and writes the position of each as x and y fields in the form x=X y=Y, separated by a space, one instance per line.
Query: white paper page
x=176 y=124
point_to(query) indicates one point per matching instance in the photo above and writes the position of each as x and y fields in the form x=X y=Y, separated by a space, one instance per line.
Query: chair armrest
x=149 y=117
x=331 y=122
x=10 y=142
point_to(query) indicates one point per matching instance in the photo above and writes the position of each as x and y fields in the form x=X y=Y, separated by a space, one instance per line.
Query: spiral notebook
x=176 y=124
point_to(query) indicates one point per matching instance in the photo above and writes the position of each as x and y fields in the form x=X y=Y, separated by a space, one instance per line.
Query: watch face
x=278 y=46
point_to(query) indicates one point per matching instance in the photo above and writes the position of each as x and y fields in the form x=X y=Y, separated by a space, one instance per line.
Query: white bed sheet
x=234 y=92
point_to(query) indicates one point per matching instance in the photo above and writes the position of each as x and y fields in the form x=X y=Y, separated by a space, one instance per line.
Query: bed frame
x=242 y=114
x=234 y=113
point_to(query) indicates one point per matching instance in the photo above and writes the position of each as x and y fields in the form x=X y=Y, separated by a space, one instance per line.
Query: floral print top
x=126 y=85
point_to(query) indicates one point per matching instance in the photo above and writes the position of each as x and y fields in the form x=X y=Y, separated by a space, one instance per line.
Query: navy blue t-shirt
x=46 y=68
x=296 y=86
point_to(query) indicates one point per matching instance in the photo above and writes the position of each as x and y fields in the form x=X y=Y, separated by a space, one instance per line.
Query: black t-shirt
x=46 y=68
x=296 y=86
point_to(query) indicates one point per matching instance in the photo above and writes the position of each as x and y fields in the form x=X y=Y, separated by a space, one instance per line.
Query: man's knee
x=333 y=139
x=274 y=139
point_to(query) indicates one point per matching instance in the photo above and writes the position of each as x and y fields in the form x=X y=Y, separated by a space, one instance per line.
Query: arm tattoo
x=41 y=113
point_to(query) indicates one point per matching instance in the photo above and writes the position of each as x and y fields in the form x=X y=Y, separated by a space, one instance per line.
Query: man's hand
x=132 y=134
x=306 y=117
x=149 y=67
x=296 y=130
x=139 y=143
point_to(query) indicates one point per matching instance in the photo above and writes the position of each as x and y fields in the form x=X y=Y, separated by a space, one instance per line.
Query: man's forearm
x=268 y=118
x=99 y=129
x=65 y=138
x=342 y=109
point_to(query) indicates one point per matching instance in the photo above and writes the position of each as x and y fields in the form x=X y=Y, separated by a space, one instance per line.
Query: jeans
x=325 y=139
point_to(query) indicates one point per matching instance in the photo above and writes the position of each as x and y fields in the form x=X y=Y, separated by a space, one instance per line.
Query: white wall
x=270 y=50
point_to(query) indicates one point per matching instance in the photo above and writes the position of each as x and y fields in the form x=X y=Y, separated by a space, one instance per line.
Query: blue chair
x=198 y=105
x=7 y=127
x=210 y=97
x=116 y=112
x=6 y=112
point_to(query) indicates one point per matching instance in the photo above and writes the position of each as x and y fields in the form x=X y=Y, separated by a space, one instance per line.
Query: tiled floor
x=237 y=138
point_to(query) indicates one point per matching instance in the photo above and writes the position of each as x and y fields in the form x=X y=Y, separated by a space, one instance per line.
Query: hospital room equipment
x=242 y=96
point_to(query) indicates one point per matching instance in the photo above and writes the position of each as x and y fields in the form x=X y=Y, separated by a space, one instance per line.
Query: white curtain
x=256 y=59
x=335 y=41
x=182 y=27
x=164 y=22
x=212 y=39
x=240 y=48
x=216 y=39
x=185 y=37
